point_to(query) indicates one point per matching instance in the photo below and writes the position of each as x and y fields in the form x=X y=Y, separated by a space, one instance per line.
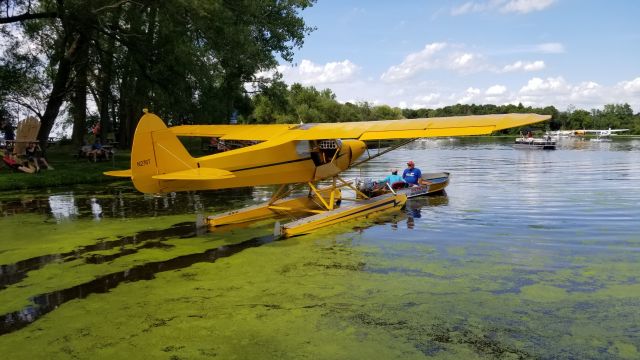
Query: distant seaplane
x=284 y=154
x=560 y=134
x=601 y=135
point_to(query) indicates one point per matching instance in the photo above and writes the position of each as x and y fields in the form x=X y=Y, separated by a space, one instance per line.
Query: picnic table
x=11 y=144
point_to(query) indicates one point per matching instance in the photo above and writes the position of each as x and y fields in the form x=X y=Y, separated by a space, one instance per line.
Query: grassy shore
x=68 y=170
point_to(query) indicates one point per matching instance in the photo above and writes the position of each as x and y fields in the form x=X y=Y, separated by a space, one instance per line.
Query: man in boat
x=413 y=176
x=394 y=179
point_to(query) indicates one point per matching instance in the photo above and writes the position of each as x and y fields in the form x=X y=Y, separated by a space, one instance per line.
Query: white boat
x=546 y=143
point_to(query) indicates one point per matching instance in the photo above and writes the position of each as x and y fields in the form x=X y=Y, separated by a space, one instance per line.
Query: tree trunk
x=127 y=81
x=79 y=96
x=59 y=89
x=105 y=80
x=134 y=88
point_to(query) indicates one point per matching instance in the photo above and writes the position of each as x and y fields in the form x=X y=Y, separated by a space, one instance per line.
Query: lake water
x=530 y=254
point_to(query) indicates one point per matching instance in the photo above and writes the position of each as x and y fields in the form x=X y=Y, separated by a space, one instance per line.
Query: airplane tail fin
x=156 y=151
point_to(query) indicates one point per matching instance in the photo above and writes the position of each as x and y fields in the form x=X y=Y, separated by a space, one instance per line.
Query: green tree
x=615 y=115
x=580 y=119
x=351 y=112
x=385 y=112
x=183 y=59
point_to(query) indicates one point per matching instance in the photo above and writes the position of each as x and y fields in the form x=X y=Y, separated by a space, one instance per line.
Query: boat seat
x=399 y=185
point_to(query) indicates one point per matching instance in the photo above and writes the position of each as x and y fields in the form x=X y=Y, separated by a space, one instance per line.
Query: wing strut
x=380 y=153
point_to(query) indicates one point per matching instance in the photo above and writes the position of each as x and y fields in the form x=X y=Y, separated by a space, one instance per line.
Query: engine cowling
x=348 y=152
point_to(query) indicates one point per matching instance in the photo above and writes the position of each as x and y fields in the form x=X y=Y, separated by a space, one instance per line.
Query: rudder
x=155 y=151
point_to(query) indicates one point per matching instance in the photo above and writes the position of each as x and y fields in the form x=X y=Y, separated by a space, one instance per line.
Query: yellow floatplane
x=284 y=154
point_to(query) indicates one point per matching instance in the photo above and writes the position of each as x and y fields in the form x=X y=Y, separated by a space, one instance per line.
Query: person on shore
x=14 y=163
x=35 y=158
x=98 y=151
x=7 y=128
x=95 y=130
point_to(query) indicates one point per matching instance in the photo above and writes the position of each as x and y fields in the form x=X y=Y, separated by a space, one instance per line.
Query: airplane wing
x=366 y=130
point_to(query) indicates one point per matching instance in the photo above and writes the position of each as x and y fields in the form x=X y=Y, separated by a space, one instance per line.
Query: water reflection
x=24 y=204
x=63 y=206
x=96 y=209
x=416 y=206
x=616 y=144
x=121 y=202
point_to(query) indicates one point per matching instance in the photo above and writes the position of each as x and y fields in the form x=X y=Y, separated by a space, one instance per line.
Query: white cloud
x=587 y=89
x=469 y=96
x=428 y=101
x=397 y=92
x=524 y=66
x=309 y=73
x=462 y=60
x=534 y=66
x=539 y=92
x=537 y=85
x=632 y=86
x=504 y=6
x=469 y=7
x=456 y=57
x=558 y=92
x=496 y=90
x=525 y=6
x=535 y=91
x=556 y=89
x=434 y=56
x=429 y=98
x=414 y=62
x=543 y=48
x=549 y=48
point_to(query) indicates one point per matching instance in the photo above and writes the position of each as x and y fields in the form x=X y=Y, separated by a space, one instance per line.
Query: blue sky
x=436 y=53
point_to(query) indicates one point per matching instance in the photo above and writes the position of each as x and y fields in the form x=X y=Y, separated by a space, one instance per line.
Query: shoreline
x=68 y=170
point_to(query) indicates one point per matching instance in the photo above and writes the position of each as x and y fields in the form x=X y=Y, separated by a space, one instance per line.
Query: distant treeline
x=280 y=104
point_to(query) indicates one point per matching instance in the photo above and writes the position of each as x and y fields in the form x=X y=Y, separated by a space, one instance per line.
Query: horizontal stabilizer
x=119 y=173
x=196 y=174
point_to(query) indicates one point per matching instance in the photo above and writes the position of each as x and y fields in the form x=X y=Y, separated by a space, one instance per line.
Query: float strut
x=315 y=191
